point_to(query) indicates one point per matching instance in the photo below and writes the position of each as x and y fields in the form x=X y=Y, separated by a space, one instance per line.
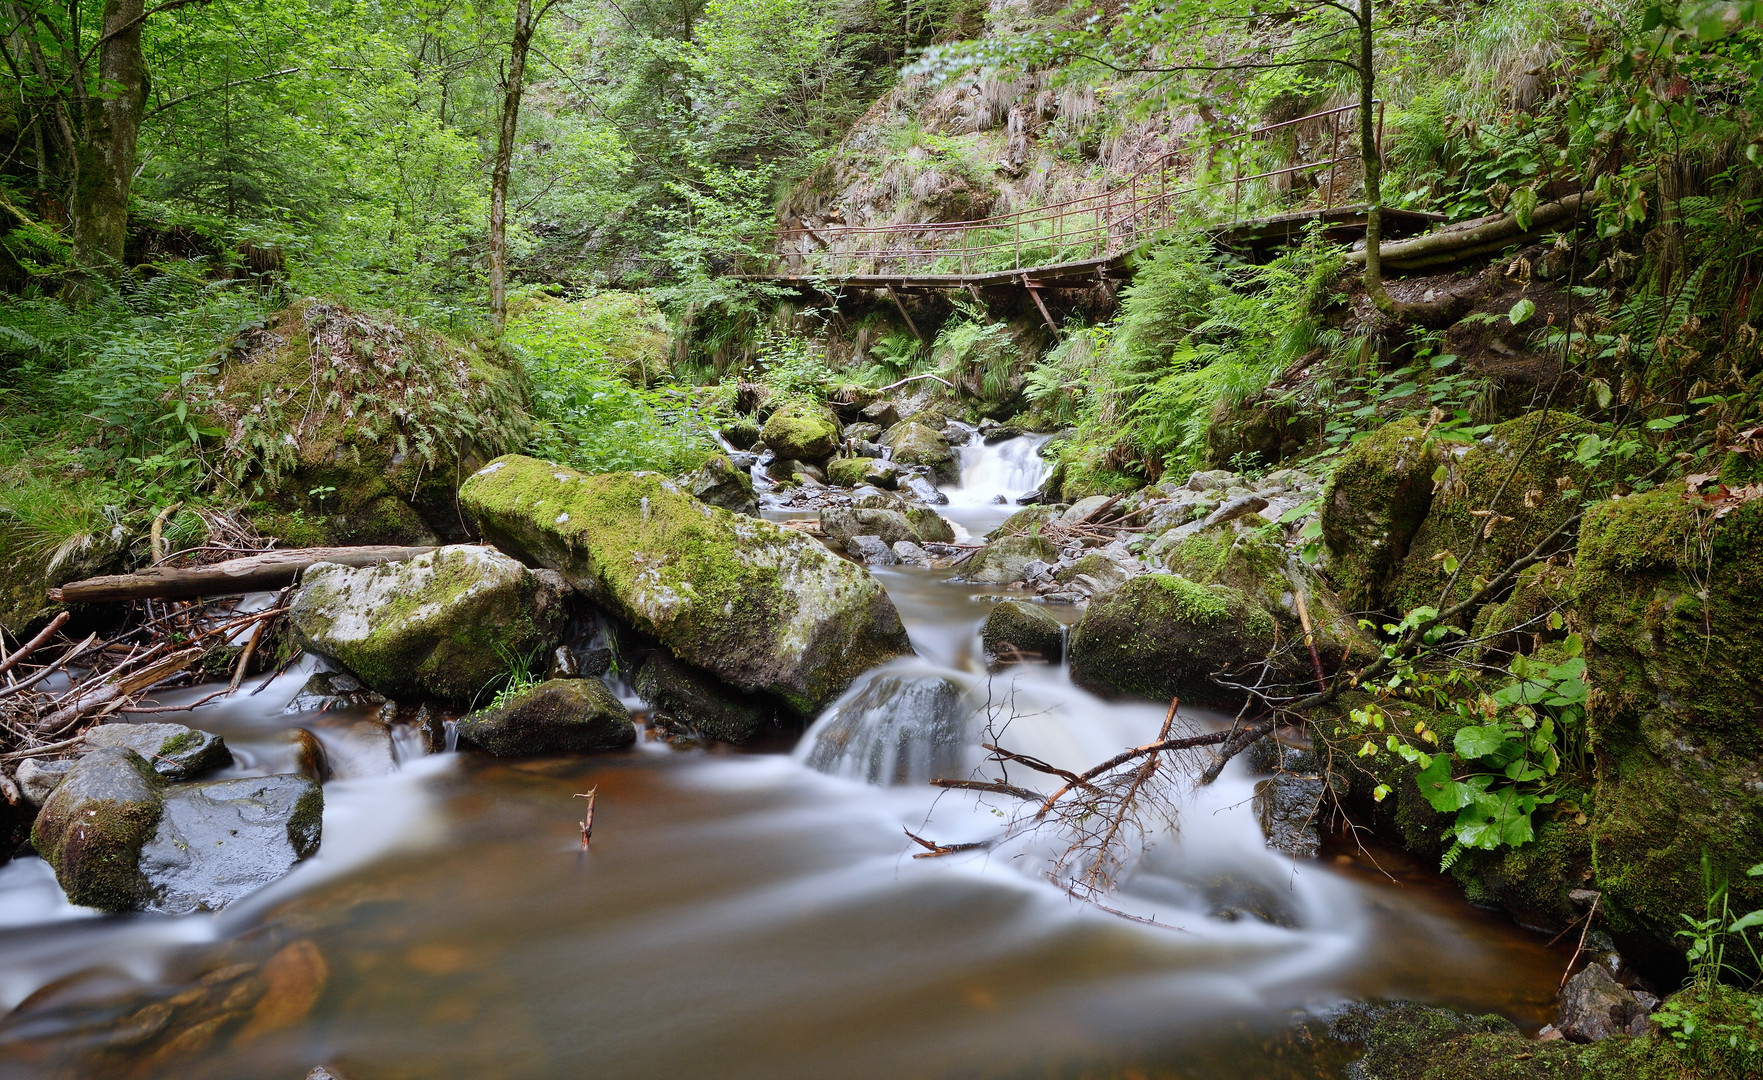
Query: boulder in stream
x=176 y=752
x=558 y=716
x=802 y=430
x=1595 y=1006
x=694 y=697
x=120 y=838
x=1003 y=561
x=720 y=483
x=902 y=728
x=1290 y=809
x=839 y=524
x=913 y=443
x=763 y=608
x=218 y=840
x=1016 y=631
x=38 y=777
x=445 y=625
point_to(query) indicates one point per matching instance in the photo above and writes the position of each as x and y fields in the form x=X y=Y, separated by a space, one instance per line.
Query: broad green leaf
x=1474 y=742
x=1522 y=311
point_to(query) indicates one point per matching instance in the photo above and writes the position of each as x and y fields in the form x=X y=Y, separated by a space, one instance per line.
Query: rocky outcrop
x=1668 y=603
x=913 y=443
x=445 y=625
x=1161 y=636
x=762 y=608
x=121 y=839
x=175 y=751
x=1015 y=631
x=1372 y=507
x=719 y=483
x=697 y=699
x=574 y=716
x=802 y=430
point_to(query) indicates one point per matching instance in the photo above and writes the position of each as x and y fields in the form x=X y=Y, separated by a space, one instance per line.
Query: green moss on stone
x=848 y=472
x=802 y=430
x=1375 y=501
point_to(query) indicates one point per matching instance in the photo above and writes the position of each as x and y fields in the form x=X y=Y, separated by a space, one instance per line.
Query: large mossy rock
x=1161 y=636
x=347 y=428
x=121 y=839
x=559 y=716
x=218 y=840
x=448 y=624
x=840 y=523
x=801 y=431
x=761 y=607
x=1522 y=473
x=92 y=827
x=1373 y=505
x=1016 y=631
x=1254 y=562
x=913 y=443
x=1003 y=561
x=694 y=697
x=1668 y=599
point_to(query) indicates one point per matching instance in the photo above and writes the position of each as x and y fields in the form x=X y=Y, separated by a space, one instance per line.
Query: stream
x=742 y=914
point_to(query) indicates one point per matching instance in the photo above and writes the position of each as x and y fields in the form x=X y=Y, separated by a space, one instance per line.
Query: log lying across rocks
x=1473 y=239
x=270 y=570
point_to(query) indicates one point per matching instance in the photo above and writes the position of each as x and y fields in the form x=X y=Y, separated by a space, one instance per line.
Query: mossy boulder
x=1016 y=631
x=346 y=428
x=448 y=624
x=559 y=716
x=92 y=826
x=913 y=443
x=719 y=483
x=1028 y=520
x=763 y=608
x=931 y=527
x=176 y=752
x=1522 y=473
x=1373 y=506
x=840 y=523
x=712 y=708
x=802 y=430
x=121 y=839
x=1003 y=561
x=850 y=472
x=1161 y=636
x=1667 y=598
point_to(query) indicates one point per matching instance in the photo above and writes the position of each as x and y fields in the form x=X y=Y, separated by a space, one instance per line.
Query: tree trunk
x=270 y=570
x=104 y=168
x=524 y=24
x=1371 y=155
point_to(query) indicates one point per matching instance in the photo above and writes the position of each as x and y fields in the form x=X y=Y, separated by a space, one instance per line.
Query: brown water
x=739 y=915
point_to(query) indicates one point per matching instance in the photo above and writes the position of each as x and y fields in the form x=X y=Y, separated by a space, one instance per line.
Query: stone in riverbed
x=840 y=524
x=900 y=729
x=37 y=778
x=1290 y=809
x=559 y=716
x=218 y=840
x=175 y=751
x=911 y=554
x=1004 y=560
x=719 y=483
x=871 y=551
x=326 y=690
x=802 y=430
x=1595 y=1006
x=696 y=698
x=1017 y=631
x=913 y=443
x=92 y=826
x=441 y=625
x=762 y=608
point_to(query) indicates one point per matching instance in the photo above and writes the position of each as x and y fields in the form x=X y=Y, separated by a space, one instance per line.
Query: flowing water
x=748 y=914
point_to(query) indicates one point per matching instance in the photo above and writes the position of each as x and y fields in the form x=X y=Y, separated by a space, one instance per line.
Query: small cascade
x=902 y=724
x=1008 y=468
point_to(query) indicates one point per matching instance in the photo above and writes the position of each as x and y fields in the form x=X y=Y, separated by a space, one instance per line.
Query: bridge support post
x=1034 y=290
x=910 y=325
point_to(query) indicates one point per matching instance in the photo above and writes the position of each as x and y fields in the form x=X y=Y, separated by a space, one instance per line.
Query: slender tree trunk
x=1370 y=154
x=524 y=24
x=104 y=169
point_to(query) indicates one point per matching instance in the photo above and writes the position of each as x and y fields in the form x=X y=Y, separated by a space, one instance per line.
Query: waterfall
x=1010 y=467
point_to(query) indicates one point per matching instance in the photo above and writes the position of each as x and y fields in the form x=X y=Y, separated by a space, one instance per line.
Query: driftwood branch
x=270 y=570
x=988 y=786
x=915 y=378
x=34 y=644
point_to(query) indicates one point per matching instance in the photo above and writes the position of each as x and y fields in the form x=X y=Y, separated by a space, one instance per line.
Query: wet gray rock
x=712 y=708
x=791 y=469
x=1017 y=631
x=38 y=778
x=931 y=527
x=1096 y=572
x=882 y=414
x=1084 y=509
x=1595 y=1006
x=720 y=483
x=436 y=626
x=558 y=716
x=871 y=551
x=899 y=729
x=923 y=490
x=326 y=690
x=1214 y=480
x=1290 y=807
x=175 y=751
x=219 y=840
x=841 y=524
x=1238 y=507
x=911 y=554
x=1003 y=561
x=913 y=443
x=92 y=826
x=865 y=431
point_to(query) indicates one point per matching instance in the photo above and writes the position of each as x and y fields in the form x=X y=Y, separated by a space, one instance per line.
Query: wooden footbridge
x=1093 y=239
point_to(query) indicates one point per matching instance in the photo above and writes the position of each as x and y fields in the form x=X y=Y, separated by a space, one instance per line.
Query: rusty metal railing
x=1091 y=227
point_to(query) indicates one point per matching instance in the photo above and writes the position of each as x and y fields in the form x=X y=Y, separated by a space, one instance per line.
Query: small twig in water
x=934 y=849
x=1589 y=916
x=587 y=822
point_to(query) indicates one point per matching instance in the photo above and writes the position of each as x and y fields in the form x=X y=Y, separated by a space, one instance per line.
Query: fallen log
x=1450 y=245
x=270 y=570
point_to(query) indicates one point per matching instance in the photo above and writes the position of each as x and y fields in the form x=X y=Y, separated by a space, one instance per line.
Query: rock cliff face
x=758 y=606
